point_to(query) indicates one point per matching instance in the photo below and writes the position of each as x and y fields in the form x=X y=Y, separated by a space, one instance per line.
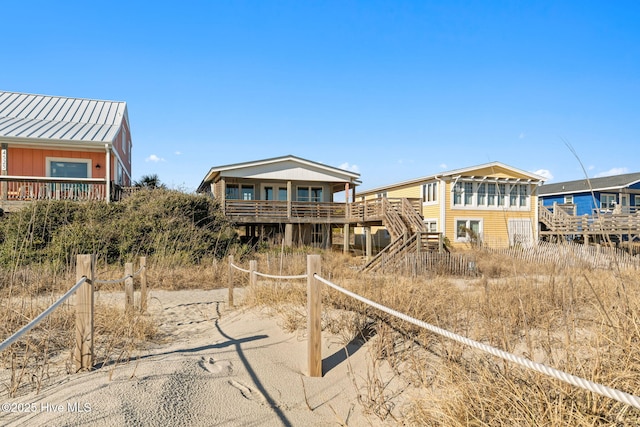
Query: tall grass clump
x=170 y=227
x=583 y=321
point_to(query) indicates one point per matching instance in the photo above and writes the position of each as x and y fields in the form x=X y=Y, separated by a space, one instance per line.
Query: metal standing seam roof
x=597 y=184
x=43 y=117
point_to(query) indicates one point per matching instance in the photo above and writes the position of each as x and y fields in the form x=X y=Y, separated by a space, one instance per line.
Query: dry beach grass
x=584 y=322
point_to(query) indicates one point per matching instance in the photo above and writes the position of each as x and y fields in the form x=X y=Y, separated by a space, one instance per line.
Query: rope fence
x=314 y=300
x=84 y=290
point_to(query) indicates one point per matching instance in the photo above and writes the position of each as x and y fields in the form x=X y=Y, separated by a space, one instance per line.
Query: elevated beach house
x=55 y=147
x=592 y=209
x=287 y=199
x=586 y=196
x=493 y=204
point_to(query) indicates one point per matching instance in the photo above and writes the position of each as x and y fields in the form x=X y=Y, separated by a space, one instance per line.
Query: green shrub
x=167 y=224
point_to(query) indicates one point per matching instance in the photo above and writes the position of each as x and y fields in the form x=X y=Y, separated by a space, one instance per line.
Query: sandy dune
x=218 y=367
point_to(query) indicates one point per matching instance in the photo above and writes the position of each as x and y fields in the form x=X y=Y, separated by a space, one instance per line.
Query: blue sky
x=394 y=90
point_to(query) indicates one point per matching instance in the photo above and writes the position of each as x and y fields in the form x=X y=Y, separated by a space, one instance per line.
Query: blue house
x=611 y=194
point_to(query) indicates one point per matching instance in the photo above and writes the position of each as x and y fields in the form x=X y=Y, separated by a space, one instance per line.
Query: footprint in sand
x=219 y=368
x=247 y=392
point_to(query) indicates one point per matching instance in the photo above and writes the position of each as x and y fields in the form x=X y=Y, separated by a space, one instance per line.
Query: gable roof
x=458 y=172
x=613 y=182
x=266 y=169
x=39 y=118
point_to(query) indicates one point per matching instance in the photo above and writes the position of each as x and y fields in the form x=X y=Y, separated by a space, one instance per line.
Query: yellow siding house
x=493 y=204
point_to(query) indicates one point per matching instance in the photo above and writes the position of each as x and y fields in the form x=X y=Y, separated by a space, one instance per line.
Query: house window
x=491 y=194
x=513 y=195
x=310 y=194
x=482 y=194
x=268 y=193
x=232 y=192
x=636 y=200
x=316 y=194
x=282 y=193
x=607 y=201
x=502 y=193
x=303 y=194
x=457 y=194
x=239 y=192
x=381 y=195
x=431 y=225
x=430 y=192
x=247 y=192
x=119 y=174
x=568 y=199
x=468 y=230
x=124 y=140
x=68 y=168
x=523 y=195
x=468 y=193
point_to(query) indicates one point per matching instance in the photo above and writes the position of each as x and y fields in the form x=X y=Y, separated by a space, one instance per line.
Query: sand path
x=217 y=367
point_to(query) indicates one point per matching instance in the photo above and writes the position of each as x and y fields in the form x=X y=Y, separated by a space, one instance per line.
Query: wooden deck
x=16 y=192
x=370 y=212
x=557 y=222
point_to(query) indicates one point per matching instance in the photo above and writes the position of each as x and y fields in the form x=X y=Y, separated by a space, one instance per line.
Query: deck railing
x=28 y=188
x=368 y=210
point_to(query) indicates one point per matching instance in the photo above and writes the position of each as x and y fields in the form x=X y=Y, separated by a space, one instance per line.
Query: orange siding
x=32 y=162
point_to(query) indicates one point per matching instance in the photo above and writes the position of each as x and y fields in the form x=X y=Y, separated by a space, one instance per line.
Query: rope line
x=271 y=276
x=111 y=282
x=612 y=393
x=238 y=268
x=114 y=281
x=6 y=343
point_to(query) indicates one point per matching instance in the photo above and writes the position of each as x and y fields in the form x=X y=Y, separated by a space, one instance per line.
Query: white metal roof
x=43 y=117
x=284 y=168
x=453 y=173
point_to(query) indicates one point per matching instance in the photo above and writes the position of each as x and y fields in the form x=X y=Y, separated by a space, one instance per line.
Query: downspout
x=108 y=172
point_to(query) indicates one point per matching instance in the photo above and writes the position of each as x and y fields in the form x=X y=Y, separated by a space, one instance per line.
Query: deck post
x=289 y=196
x=83 y=352
x=368 y=242
x=345 y=240
x=288 y=235
x=314 y=308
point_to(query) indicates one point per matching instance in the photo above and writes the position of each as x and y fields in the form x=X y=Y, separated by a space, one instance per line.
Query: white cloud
x=177 y=153
x=443 y=166
x=544 y=173
x=353 y=168
x=522 y=135
x=154 y=158
x=612 y=171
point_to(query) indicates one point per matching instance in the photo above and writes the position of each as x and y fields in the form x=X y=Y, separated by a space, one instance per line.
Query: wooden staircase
x=408 y=234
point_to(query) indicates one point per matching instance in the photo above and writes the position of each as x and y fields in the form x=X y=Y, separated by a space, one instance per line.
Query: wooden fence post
x=128 y=287
x=143 y=284
x=314 y=307
x=253 y=267
x=83 y=352
x=230 y=281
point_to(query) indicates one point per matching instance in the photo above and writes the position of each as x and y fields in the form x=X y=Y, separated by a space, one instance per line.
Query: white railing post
x=314 y=307
x=143 y=284
x=83 y=353
x=128 y=287
x=230 y=280
x=253 y=267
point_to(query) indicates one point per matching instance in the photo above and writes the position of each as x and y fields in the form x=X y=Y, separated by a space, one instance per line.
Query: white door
x=520 y=232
